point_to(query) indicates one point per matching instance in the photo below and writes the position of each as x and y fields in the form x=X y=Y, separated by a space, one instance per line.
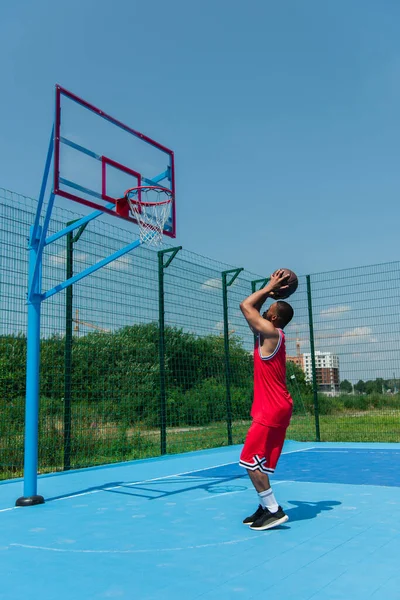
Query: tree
x=12 y=366
x=346 y=386
x=360 y=387
x=296 y=380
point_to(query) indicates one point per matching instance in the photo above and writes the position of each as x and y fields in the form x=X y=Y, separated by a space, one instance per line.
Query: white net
x=151 y=207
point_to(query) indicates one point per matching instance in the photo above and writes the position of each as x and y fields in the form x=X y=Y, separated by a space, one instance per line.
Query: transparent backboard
x=97 y=158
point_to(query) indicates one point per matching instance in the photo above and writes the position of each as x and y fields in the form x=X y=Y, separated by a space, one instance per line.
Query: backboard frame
x=120 y=208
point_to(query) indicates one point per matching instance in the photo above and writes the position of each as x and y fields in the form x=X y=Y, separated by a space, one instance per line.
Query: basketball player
x=272 y=405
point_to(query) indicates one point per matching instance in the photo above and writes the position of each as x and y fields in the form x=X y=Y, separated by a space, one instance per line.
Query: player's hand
x=277 y=283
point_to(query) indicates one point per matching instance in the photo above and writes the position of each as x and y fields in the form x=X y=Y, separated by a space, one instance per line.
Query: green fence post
x=68 y=354
x=255 y=282
x=225 y=284
x=68 y=345
x=161 y=340
x=258 y=284
x=314 y=371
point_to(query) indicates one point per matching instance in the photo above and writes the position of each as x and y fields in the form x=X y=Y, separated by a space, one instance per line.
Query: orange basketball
x=292 y=282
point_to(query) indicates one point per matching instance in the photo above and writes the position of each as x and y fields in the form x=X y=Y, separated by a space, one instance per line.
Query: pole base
x=29 y=500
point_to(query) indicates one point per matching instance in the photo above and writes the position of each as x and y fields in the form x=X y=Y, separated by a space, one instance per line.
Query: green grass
x=344 y=427
x=369 y=427
x=111 y=442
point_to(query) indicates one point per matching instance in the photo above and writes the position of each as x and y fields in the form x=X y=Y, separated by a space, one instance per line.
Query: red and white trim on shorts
x=258 y=463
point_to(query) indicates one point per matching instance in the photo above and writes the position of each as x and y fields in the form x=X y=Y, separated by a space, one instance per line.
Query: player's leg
x=252 y=459
x=259 y=456
x=273 y=514
x=261 y=483
x=260 y=480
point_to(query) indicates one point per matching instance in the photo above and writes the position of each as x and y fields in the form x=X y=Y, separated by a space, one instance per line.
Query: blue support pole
x=90 y=270
x=44 y=182
x=76 y=224
x=30 y=496
x=37 y=244
x=39 y=247
x=156 y=180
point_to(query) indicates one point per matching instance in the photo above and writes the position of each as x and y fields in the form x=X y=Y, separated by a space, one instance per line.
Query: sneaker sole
x=271 y=525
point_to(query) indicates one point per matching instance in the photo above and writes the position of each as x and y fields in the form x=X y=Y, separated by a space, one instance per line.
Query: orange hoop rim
x=145 y=188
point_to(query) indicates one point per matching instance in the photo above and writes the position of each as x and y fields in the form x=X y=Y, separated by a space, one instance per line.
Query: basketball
x=292 y=282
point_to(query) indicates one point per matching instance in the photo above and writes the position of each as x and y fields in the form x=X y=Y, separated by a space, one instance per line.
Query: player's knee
x=258 y=476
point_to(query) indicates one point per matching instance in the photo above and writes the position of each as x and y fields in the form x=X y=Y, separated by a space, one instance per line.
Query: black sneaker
x=250 y=520
x=268 y=520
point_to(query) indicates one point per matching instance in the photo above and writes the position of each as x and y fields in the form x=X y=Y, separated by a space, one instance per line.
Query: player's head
x=279 y=314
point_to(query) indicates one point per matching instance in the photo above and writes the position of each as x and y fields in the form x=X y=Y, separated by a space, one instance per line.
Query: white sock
x=267 y=500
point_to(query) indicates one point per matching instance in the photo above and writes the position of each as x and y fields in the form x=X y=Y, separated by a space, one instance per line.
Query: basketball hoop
x=150 y=206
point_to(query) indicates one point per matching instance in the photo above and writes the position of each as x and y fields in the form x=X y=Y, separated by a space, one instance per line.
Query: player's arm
x=251 y=306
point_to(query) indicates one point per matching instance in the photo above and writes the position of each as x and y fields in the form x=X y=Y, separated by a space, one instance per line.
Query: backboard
x=97 y=158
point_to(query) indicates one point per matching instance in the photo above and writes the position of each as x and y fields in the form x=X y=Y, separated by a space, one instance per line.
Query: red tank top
x=272 y=403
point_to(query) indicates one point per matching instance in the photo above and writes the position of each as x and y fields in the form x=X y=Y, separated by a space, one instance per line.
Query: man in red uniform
x=272 y=404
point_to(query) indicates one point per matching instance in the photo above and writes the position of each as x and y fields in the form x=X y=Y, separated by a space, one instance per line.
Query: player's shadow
x=303 y=511
x=154 y=490
x=157 y=489
x=107 y=487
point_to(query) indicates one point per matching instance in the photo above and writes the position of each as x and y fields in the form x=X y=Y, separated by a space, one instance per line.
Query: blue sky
x=284 y=117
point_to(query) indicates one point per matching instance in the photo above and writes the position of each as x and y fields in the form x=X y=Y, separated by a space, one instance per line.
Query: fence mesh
x=357 y=342
x=110 y=390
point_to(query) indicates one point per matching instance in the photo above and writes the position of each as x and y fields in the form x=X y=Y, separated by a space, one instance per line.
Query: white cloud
x=358 y=334
x=334 y=311
x=120 y=264
x=123 y=263
x=295 y=328
x=61 y=257
x=212 y=284
x=58 y=259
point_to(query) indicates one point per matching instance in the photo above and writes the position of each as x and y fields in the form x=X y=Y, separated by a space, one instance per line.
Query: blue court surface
x=172 y=528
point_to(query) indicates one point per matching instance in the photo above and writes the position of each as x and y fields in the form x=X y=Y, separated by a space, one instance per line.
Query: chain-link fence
x=151 y=355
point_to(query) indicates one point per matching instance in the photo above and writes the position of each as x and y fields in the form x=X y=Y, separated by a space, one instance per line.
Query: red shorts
x=262 y=448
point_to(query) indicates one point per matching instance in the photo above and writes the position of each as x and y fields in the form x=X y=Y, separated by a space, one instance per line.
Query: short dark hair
x=284 y=313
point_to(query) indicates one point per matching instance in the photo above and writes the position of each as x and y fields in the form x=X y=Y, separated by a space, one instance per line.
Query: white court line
x=188 y=473
x=139 y=551
x=357 y=450
x=116 y=487
x=327 y=451
x=213 y=496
